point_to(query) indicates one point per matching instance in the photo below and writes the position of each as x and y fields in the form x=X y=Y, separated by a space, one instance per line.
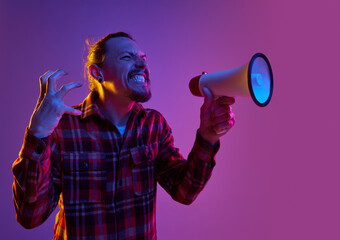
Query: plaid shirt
x=105 y=183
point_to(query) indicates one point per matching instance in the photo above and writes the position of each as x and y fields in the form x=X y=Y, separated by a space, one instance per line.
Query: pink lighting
x=277 y=171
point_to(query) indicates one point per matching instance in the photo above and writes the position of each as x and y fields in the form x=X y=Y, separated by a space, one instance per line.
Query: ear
x=95 y=72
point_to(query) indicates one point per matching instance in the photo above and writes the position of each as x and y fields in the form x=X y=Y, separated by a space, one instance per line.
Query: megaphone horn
x=254 y=79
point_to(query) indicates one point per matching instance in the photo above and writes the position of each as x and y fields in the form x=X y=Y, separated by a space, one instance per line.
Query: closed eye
x=126 y=57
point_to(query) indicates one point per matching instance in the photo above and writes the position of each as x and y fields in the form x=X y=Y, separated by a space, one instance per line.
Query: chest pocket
x=144 y=168
x=84 y=177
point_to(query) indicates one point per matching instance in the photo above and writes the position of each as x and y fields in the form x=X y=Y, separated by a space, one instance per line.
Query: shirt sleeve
x=36 y=189
x=185 y=179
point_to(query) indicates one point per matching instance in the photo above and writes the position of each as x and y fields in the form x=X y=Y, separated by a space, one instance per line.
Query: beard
x=140 y=96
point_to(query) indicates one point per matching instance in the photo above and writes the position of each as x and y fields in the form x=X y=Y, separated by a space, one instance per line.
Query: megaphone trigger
x=208 y=96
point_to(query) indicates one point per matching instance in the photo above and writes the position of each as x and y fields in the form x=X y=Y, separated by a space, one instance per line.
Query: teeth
x=138 y=78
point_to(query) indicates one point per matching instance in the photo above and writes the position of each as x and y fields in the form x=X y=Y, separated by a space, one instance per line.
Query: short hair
x=97 y=52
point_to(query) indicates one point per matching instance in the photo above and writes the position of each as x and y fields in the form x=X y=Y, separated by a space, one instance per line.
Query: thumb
x=208 y=96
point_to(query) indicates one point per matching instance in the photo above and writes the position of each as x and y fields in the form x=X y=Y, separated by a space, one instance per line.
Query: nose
x=140 y=63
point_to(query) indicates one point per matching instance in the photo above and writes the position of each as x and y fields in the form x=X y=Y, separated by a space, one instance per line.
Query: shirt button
x=150 y=156
x=85 y=165
x=120 y=183
x=39 y=149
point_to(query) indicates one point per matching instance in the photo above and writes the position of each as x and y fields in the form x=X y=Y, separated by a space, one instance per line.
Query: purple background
x=277 y=173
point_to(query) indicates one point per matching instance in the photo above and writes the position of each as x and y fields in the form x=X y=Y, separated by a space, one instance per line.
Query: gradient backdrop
x=277 y=173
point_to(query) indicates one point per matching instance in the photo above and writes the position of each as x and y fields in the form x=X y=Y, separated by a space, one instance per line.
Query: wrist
x=37 y=132
x=207 y=137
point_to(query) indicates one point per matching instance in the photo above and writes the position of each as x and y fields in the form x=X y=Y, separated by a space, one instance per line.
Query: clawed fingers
x=51 y=79
x=43 y=81
x=43 y=78
x=68 y=87
x=54 y=98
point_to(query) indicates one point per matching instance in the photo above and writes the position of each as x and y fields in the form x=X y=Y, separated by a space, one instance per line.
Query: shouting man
x=100 y=161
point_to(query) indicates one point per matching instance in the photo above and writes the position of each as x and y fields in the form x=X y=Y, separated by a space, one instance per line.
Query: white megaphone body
x=254 y=79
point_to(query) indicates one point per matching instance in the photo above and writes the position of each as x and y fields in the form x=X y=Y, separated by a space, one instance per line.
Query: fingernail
x=222 y=131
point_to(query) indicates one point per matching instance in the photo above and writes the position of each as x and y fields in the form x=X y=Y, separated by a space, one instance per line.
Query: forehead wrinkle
x=117 y=46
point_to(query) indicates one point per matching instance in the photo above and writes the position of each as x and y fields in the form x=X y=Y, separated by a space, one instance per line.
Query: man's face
x=125 y=70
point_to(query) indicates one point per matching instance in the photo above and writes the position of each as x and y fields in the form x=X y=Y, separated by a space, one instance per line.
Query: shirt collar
x=89 y=108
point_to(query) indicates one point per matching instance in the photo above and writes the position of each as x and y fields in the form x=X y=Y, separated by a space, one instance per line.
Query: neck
x=115 y=110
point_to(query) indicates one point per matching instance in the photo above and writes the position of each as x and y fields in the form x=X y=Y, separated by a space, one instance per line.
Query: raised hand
x=216 y=116
x=50 y=106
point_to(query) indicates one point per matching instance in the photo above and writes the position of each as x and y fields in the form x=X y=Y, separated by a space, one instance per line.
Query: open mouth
x=138 y=78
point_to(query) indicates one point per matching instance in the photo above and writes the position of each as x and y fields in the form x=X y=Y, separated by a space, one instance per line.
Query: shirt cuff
x=34 y=148
x=205 y=150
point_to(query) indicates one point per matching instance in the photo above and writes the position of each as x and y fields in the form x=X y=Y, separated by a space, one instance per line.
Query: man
x=101 y=160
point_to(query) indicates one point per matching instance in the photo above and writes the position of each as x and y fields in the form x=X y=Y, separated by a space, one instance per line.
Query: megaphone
x=254 y=79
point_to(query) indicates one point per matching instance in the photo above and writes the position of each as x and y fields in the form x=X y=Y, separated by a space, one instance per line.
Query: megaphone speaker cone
x=260 y=79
